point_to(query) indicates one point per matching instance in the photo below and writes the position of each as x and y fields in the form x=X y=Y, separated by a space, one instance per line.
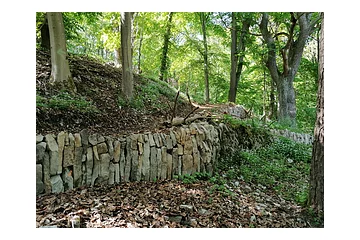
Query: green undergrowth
x=283 y=166
x=65 y=101
x=152 y=95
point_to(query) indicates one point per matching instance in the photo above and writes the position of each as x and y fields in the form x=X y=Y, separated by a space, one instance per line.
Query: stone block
x=56 y=184
x=40 y=152
x=40 y=187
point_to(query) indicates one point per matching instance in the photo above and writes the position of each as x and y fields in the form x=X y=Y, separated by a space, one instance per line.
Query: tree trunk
x=45 y=35
x=60 y=71
x=232 y=91
x=291 y=55
x=316 y=196
x=206 y=66
x=164 y=67
x=286 y=99
x=273 y=105
x=239 y=56
x=127 y=74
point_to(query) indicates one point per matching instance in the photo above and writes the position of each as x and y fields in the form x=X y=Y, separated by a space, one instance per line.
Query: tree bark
x=232 y=91
x=127 y=84
x=45 y=34
x=316 y=196
x=206 y=66
x=239 y=56
x=164 y=67
x=291 y=55
x=60 y=71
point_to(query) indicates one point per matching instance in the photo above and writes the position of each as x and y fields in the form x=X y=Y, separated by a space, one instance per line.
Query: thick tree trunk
x=239 y=55
x=286 y=99
x=60 y=71
x=291 y=55
x=127 y=74
x=206 y=66
x=273 y=103
x=316 y=196
x=45 y=34
x=164 y=67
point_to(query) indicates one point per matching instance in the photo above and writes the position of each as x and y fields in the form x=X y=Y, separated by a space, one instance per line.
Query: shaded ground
x=100 y=83
x=169 y=204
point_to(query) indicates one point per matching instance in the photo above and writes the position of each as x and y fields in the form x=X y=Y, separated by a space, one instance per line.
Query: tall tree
x=237 y=53
x=45 y=35
x=203 y=18
x=60 y=71
x=164 y=58
x=290 y=54
x=316 y=197
x=127 y=72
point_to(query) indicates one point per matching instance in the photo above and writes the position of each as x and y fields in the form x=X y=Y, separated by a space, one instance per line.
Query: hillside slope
x=97 y=105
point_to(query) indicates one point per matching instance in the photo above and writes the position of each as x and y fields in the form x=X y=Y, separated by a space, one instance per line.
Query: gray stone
x=102 y=148
x=83 y=158
x=140 y=138
x=100 y=139
x=39 y=138
x=111 y=174
x=180 y=149
x=158 y=160
x=61 y=145
x=96 y=154
x=84 y=138
x=188 y=147
x=95 y=172
x=53 y=148
x=151 y=140
x=68 y=179
x=54 y=163
x=93 y=139
x=78 y=166
x=40 y=152
x=104 y=173
x=140 y=148
x=187 y=164
x=187 y=208
x=168 y=141
x=173 y=138
x=89 y=165
x=153 y=163
x=204 y=212
x=164 y=164
x=156 y=140
x=109 y=142
x=133 y=138
x=145 y=171
x=117 y=172
x=134 y=174
x=69 y=152
x=180 y=165
x=56 y=184
x=117 y=151
x=39 y=183
x=46 y=173
x=77 y=139
x=71 y=139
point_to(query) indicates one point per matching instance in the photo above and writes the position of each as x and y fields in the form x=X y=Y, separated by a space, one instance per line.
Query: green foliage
x=65 y=101
x=193 y=178
x=269 y=166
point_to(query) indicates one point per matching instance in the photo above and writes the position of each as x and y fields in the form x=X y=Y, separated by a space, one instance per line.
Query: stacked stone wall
x=69 y=160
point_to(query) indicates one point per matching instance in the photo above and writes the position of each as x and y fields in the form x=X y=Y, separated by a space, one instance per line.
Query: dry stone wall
x=68 y=160
x=297 y=137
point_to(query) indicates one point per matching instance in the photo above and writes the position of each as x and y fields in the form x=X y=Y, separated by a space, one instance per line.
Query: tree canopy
x=98 y=35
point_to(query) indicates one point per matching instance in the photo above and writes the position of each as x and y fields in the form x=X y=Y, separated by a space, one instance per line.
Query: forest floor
x=98 y=107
